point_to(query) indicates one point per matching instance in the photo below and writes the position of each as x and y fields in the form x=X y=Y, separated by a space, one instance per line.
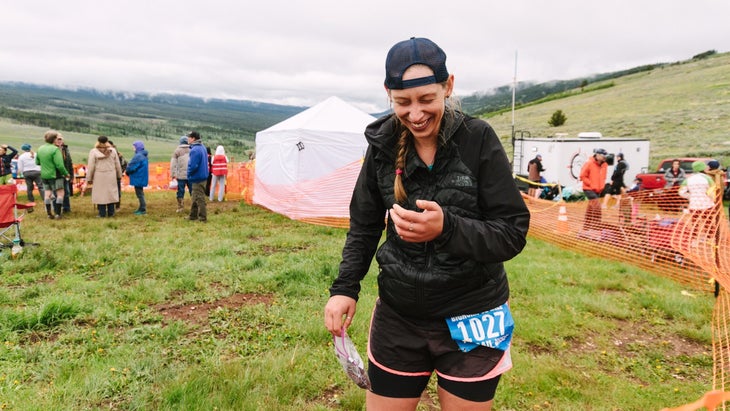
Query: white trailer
x=563 y=156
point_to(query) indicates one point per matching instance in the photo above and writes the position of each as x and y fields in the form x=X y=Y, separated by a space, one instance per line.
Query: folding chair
x=9 y=217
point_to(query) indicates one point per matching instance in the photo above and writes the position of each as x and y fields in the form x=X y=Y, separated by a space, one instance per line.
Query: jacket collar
x=383 y=133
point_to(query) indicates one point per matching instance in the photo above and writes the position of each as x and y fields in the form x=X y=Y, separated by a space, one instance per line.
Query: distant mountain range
x=232 y=121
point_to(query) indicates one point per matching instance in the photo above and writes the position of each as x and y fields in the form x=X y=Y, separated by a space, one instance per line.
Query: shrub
x=557 y=119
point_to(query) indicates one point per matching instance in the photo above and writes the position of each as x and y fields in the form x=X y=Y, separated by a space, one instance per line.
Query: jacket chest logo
x=461 y=181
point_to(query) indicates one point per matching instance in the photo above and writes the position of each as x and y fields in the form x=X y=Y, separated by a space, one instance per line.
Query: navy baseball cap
x=416 y=50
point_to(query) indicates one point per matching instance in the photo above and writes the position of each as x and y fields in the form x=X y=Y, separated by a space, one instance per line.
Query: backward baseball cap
x=416 y=50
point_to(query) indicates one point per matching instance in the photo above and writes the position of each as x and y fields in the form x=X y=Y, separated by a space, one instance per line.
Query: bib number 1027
x=491 y=328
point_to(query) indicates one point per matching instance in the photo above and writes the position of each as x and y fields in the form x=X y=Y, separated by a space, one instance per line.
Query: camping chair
x=9 y=217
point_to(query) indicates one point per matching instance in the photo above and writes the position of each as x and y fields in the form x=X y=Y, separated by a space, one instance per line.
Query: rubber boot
x=180 y=208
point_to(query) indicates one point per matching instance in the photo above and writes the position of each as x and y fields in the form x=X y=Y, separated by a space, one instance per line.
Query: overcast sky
x=301 y=52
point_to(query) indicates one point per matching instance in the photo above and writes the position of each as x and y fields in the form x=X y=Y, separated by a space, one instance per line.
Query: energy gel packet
x=350 y=360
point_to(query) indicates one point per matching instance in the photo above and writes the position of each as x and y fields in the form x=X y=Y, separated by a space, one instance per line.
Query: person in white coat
x=30 y=171
x=102 y=173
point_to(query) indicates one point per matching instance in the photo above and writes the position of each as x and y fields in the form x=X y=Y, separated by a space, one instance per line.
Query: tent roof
x=332 y=114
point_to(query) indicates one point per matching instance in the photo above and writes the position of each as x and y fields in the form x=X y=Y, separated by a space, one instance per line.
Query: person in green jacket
x=53 y=173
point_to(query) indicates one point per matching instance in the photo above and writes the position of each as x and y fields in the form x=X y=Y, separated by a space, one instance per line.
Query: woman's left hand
x=415 y=226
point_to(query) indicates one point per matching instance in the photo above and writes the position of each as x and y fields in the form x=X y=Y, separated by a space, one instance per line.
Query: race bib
x=491 y=328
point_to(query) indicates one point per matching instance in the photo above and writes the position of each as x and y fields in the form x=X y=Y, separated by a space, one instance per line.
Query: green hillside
x=27 y=111
x=682 y=108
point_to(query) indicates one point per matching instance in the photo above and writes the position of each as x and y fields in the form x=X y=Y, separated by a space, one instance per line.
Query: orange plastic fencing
x=239 y=182
x=653 y=229
x=323 y=200
x=721 y=343
x=710 y=400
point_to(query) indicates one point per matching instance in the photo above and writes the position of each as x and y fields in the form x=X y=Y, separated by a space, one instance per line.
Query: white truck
x=563 y=156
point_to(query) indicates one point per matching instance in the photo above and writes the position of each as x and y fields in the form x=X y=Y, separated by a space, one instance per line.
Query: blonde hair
x=451 y=106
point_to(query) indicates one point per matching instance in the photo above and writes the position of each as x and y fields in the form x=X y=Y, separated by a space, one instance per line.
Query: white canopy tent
x=304 y=164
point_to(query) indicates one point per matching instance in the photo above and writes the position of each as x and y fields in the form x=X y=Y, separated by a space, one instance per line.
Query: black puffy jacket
x=485 y=223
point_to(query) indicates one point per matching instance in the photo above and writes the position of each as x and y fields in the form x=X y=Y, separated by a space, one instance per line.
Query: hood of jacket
x=101 y=150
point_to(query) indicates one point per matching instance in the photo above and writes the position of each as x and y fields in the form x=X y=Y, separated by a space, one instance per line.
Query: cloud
x=302 y=52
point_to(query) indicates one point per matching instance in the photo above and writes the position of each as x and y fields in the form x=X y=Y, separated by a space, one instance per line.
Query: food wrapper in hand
x=350 y=360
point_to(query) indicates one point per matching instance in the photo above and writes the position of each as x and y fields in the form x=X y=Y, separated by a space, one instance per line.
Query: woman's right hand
x=338 y=313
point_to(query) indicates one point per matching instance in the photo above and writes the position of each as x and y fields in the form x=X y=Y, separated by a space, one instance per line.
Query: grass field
x=159 y=313
x=160 y=150
x=683 y=109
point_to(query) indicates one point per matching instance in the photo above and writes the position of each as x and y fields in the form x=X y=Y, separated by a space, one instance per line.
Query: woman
x=219 y=171
x=7 y=154
x=618 y=186
x=102 y=171
x=454 y=214
x=674 y=176
x=138 y=171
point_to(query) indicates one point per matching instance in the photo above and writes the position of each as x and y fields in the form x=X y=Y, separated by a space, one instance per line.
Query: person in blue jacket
x=198 y=176
x=138 y=172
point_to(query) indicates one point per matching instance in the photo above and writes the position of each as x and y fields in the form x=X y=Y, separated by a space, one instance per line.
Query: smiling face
x=421 y=108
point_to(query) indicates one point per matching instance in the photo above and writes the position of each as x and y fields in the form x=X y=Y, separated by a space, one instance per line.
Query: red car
x=654 y=180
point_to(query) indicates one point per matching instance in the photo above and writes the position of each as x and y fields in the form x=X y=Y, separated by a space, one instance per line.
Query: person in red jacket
x=219 y=171
x=593 y=177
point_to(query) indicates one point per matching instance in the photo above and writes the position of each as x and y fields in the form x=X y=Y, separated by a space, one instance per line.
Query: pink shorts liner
x=390 y=370
x=504 y=365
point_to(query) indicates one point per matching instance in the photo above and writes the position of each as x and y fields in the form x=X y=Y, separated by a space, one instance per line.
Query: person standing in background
x=103 y=171
x=699 y=188
x=219 y=171
x=210 y=167
x=675 y=175
x=30 y=171
x=593 y=177
x=198 y=173
x=138 y=171
x=123 y=166
x=718 y=176
x=618 y=186
x=53 y=173
x=179 y=171
x=534 y=168
x=7 y=154
x=14 y=166
x=68 y=164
